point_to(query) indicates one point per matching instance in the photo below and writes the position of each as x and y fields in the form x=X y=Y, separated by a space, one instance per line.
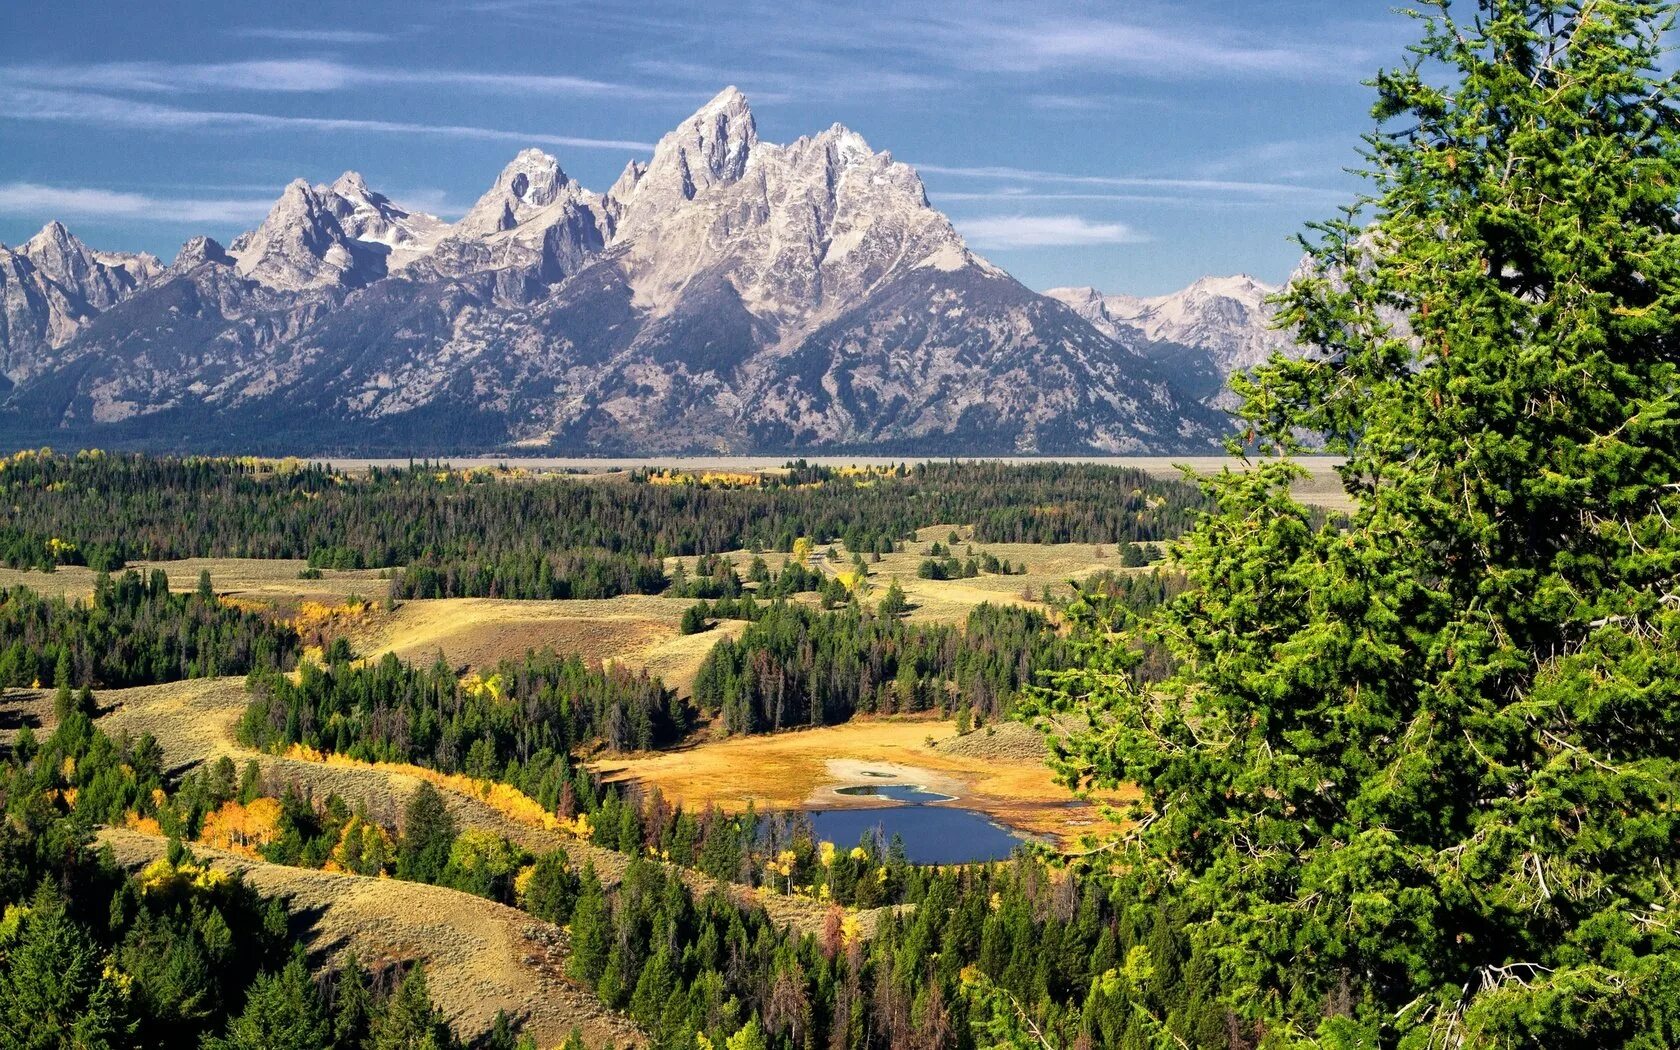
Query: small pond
x=894 y=792
x=931 y=834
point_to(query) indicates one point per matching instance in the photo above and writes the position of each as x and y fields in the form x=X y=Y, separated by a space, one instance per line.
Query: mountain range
x=728 y=295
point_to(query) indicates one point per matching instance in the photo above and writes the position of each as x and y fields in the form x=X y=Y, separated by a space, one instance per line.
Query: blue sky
x=1132 y=144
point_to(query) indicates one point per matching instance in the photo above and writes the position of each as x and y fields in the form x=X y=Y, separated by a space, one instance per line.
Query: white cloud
x=312 y=36
x=60 y=202
x=1171 y=52
x=1157 y=40
x=1211 y=186
x=303 y=75
x=106 y=110
x=1045 y=231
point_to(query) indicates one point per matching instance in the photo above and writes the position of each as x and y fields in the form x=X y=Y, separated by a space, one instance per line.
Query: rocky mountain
x=51 y=286
x=1199 y=336
x=730 y=294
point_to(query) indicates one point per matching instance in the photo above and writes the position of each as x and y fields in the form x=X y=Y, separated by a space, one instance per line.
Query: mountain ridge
x=728 y=295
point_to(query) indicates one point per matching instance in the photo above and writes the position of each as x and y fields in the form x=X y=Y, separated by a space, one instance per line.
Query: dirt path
x=480 y=956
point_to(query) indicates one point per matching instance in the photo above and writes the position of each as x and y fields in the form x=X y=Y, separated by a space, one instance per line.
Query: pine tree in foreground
x=1418 y=775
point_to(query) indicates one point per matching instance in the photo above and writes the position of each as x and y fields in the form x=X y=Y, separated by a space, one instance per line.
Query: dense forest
x=135 y=632
x=103 y=510
x=794 y=666
x=1413 y=778
x=393 y=711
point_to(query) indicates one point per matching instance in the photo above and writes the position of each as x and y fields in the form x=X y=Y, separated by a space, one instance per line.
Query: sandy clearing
x=480 y=956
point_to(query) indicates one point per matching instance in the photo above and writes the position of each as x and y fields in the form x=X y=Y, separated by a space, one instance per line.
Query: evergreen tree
x=54 y=987
x=1416 y=775
x=410 y=1021
x=353 y=1006
x=654 y=989
x=283 y=1012
x=591 y=929
x=428 y=833
x=63 y=704
x=552 y=889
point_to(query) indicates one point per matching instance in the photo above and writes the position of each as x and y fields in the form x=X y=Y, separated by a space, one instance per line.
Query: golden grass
x=272 y=582
x=480 y=632
x=790 y=770
x=509 y=801
x=481 y=957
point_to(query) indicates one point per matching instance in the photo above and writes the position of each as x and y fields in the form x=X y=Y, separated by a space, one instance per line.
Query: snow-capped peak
x=375 y=219
x=729 y=102
x=301 y=244
x=531 y=181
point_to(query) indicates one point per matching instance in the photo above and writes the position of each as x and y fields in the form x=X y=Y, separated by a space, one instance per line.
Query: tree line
x=795 y=666
x=104 y=510
x=397 y=712
x=134 y=631
x=979 y=947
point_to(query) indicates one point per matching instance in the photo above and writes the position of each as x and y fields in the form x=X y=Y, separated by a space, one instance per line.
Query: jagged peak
x=532 y=177
x=53 y=228
x=627 y=179
x=532 y=180
x=710 y=147
x=350 y=184
x=198 y=251
x=1237 y=285
x=848 y=146
x=729 y=100
x=532 y=161
x=298 y=198
x=53 y=234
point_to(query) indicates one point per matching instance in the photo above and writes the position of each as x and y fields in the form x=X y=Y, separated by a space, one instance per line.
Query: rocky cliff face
x=1199 y=336
x=51 y=286
x=728 y=295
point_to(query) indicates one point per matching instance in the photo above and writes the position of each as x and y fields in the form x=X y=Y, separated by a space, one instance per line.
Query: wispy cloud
x=1289 y=158
x=76 y=202
x=305 y=75
x=1172 y=42
x=1066 y=103
x=1025 y=196
x=1044 y=231
x=110 y=111
x=1197 y=185
x=1031 y=43
x=311 y=36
